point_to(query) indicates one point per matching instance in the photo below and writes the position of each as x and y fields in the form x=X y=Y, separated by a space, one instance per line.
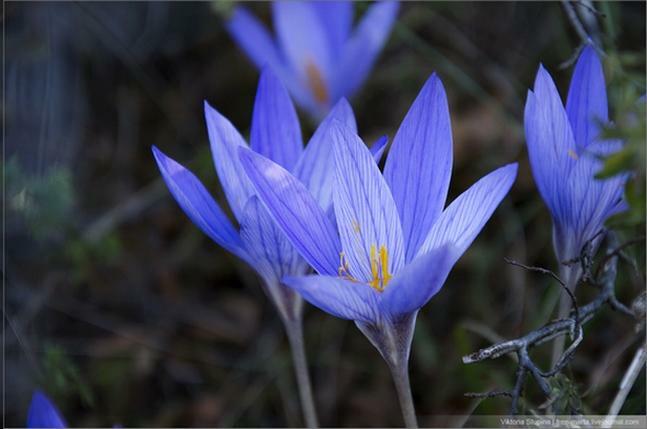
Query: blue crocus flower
x=566 y=151
x=43 y=413
x=394 y=243
x=276 y=134
x=316 y=51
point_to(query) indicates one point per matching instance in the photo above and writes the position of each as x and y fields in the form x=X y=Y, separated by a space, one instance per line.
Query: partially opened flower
x=275 y=133
x=566 y=151
x=316 y=52
x=394 y=245
x=43 y=413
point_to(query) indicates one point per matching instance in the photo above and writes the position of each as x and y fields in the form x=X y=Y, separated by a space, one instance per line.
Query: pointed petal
x=378 y=147
x=419 y=281
x=361 y=50
x=272 y=254
x=225 y=141
x=295 y=211
x=316 y=165
x=43 y=413
x=591 y=200
x=304 y=42
x=551 y=147
x=253 y=38
x=198 y=204
x=462 y=221
x=336 y=296
x=586 y=104
x=269 y=248
x=276 y=133
x=336 y=19
x=419 y=164
x=366 y=214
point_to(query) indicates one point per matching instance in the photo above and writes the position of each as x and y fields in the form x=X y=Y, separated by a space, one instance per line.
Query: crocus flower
x=565 y=151
x=394 y=244
x=316 y=52
x=43 y=413
x=275 y=133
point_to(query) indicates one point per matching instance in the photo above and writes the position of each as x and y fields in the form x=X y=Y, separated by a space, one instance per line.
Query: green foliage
x=61 y=376
x=565 y=394
x=44 y=203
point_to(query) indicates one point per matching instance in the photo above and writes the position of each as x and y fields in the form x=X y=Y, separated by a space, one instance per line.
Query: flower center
x=317 y=83
x=380 y=275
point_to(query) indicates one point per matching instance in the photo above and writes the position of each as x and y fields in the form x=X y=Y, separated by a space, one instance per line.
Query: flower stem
x=294 y=329
x=400 y=374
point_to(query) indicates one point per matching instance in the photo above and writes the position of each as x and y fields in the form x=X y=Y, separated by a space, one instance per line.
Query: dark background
x=124 y=313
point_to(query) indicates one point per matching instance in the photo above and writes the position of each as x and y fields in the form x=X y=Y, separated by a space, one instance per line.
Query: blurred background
x=125 y=313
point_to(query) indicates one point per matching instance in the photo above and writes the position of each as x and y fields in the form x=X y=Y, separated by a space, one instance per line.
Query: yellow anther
x=573 y=155
x=356 y=227
x=384 y=262
x=317 y=82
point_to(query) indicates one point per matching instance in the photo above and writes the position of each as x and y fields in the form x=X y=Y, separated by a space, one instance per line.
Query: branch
x=571 y=325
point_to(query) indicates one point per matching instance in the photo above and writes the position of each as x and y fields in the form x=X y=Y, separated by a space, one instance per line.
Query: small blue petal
x=303 y=40
x=337 y=19
x=367 y=218
x=418 y=282
x=586 y=104
x=419 y=165
x=316 y=164
x=336 y=296
x=295 y=211
x=254 y=39
x=275 y=132
x=43 y=413
x=378 y=147
x=551 y=147
x=272 y=254
x=225 y=141
x=198 y=205
x=361 y=50
x=463 y=219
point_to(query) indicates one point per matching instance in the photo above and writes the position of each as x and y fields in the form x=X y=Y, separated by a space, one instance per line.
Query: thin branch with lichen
x=572 y=326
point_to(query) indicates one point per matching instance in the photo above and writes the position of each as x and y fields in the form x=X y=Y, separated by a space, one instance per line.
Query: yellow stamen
x=384 y=262
x=356 y=227
x=317 y=83
x=375 y=279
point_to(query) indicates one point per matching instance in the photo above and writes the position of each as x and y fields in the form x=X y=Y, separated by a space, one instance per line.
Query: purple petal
x=419 y=281
x=419 y=164
x=305 y=45
x=269 y=248
x=43 y=413
x=464 y=218
x=275 y=133
x=366 y=214
x=198 y=205
x=586 y=104
x=254 y=39
x=295 y=211
x=361 y=50
x=551 y=147
x=272 y=254
x=316 y=165
x=225 y=141
x=336 y=296
x=337 y=19
x=378 y=147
